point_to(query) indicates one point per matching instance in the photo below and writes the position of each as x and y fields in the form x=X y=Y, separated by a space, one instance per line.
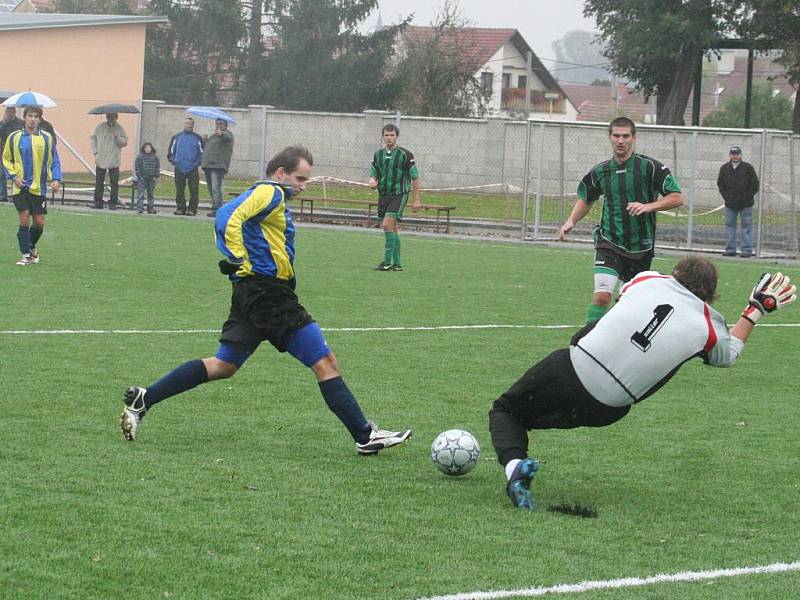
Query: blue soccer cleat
x=518 y=487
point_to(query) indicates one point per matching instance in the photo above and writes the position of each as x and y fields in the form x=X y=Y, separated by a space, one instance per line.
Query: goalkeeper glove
x=229 y=266
x=773 y=291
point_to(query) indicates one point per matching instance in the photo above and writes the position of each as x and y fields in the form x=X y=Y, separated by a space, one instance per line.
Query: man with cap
x=738 y=184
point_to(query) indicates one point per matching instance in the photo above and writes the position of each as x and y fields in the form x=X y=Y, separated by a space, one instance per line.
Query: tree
x=769 y=25
x=436 y=74
x=658 y=45
x=322 y=61
x=768 y=111
x=577 y=48
x=197 y=54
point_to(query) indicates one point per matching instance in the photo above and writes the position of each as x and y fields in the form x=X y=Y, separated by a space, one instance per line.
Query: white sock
x=512 y=464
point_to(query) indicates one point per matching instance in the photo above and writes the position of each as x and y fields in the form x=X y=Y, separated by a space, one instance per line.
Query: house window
x=522 y=81
x=506 y=80
x=486 y=82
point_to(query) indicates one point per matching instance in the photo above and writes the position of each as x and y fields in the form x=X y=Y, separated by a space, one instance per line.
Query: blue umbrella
x=30 y=99
x=210 y=112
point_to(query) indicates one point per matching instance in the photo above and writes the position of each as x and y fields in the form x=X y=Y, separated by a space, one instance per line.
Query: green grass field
x=250 y=488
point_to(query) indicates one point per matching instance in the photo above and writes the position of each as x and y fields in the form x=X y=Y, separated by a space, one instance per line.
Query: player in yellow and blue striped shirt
x=30 y=160
x=255 y=233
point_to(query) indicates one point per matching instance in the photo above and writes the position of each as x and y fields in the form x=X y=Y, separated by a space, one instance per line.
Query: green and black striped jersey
x=639 y=179
x=394 y=171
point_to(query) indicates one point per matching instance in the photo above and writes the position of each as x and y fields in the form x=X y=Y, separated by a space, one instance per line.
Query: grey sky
x=540 y=22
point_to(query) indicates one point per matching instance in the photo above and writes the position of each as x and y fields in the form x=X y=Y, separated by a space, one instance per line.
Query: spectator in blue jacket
x=185 y=153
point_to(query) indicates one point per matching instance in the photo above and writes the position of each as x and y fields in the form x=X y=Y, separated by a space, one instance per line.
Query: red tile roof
x=481 y=43
x=596 y=103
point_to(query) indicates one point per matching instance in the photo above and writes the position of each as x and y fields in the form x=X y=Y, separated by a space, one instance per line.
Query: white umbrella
x=30 y=99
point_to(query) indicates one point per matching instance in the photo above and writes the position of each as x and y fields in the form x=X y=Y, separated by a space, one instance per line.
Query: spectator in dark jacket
x=217 y=154
x=11 y=122
x=738 y=184
x=185 y=153
x=147 y=169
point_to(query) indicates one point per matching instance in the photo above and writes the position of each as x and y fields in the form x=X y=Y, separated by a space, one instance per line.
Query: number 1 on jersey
x=644 y=338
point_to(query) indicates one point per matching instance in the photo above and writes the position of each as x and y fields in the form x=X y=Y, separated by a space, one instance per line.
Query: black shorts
x=625 y=267
x=392 y=206
x=35 y=205
x=263 y=308
x=550 y=396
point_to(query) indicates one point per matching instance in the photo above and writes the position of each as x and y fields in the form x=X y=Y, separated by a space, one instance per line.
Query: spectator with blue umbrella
x=217 y=153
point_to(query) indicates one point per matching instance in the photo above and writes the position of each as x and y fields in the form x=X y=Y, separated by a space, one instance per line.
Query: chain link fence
x=502 y=177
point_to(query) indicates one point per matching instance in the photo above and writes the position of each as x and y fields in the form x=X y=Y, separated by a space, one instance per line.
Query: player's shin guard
x=36 y=233
x=185 y=377
x=396 y=251
x=24 y=238
x=388 y=247
x=341 y=401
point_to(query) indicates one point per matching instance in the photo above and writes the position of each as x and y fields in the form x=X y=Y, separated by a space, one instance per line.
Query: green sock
x=388 y=247
x=396 y=255
x=594 y=312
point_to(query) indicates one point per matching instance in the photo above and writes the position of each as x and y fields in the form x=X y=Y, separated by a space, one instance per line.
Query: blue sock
x=340 y=400
x=185 y=377
x=24 y=237
x=36 y=233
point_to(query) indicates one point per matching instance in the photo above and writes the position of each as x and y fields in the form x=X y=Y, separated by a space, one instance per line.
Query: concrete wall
x=454 y=153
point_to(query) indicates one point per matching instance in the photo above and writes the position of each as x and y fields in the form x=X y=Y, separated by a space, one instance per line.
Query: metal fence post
x=263 y=169
x=537 y=216
x=693 y=195
x=561 y=173
x=793 y=195
x=526 y=172
x=675 y=172
x=761 y=169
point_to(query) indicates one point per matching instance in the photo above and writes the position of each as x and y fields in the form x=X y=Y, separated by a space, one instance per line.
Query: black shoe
x=152 y=211
x=180 y=211
x=397 y=267
x=729 y=254
x=384 y=267
x=212 y=213
x=191 y=213
x=113 y=207
x=96 y=206
x=748 y=255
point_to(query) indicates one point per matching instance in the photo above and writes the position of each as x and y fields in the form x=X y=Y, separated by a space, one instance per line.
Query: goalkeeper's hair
x=698 y=275
x=289 y=158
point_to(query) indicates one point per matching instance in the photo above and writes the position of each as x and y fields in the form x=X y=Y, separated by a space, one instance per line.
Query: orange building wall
x=78 y=67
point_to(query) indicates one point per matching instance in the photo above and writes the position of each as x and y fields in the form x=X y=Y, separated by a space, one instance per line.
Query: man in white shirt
x=659 y=323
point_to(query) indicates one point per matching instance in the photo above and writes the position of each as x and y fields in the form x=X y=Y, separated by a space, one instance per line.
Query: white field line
x=627 y=582
x=327 y=329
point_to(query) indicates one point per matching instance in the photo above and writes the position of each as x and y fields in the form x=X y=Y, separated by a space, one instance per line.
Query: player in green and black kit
x=625 y=238
x=394 y=173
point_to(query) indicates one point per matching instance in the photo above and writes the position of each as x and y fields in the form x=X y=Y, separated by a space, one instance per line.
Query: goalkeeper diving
x=659 y=323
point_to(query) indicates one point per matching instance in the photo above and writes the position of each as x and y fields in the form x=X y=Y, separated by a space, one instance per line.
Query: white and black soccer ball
x=455 y=452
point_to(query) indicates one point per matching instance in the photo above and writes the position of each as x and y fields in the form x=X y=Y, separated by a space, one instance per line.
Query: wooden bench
x=90 y=184
x=309 y=201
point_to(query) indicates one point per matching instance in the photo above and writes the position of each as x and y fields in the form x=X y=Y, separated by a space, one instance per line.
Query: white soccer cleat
x=380 y=439
x=34 y=256
x=133 y=412
x=24 y=261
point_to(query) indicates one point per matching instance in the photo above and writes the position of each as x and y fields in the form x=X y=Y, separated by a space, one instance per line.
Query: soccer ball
x=455 y=452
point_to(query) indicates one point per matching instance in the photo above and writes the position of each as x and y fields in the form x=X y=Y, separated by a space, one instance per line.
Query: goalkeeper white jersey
x=654 y=328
